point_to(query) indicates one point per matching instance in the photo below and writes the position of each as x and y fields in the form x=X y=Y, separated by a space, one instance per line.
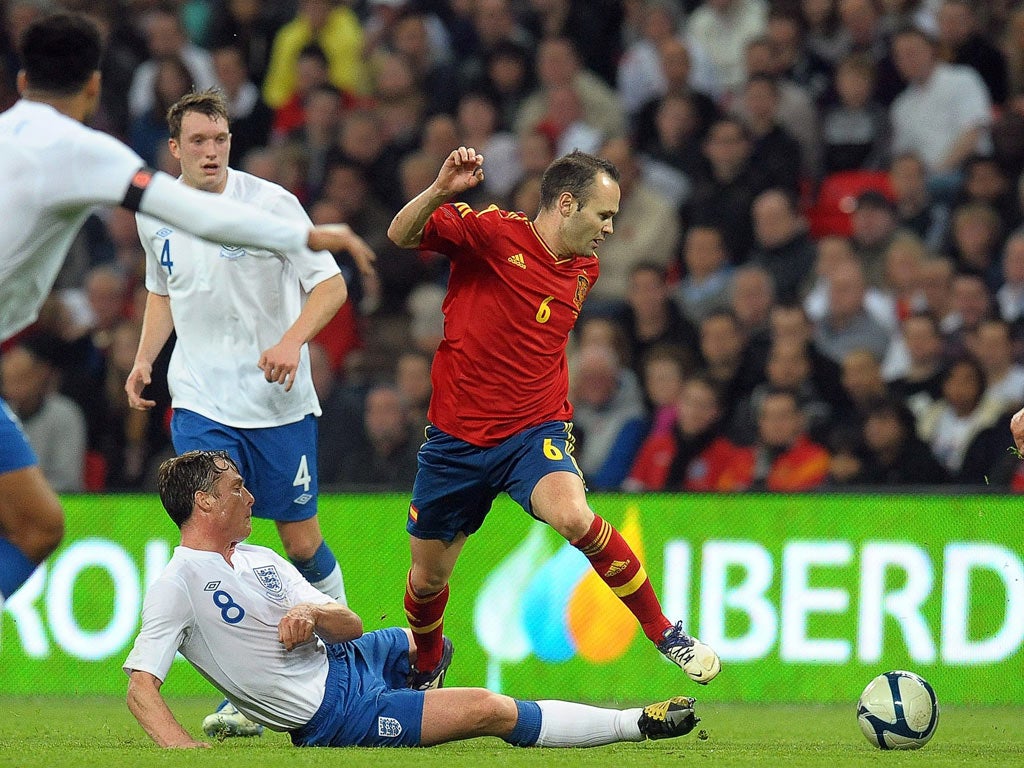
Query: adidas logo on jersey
x=518 y=260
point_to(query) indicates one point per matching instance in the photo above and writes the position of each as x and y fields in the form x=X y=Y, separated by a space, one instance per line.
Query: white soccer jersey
x=229 y=305
x=53 y=170
x=223 y=619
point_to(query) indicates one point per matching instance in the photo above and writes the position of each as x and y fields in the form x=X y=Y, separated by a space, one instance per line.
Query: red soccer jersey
x=511 y=302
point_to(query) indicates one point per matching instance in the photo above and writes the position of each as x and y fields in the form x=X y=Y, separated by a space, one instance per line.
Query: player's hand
x=463 y=169
x=280 y=363
x=296 y=627
x=1017 y=429
x=140 y=377
x=341 y=237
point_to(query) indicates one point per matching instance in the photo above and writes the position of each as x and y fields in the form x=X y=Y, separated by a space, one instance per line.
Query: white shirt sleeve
x=166 y=619
x=312 y=267
x=219 y=219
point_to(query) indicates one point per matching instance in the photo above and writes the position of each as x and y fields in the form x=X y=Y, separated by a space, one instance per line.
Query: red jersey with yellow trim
x=511 y=302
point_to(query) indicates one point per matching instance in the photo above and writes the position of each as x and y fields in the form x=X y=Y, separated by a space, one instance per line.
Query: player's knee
x=496 y=714
x=427 y=584
x=41 y=533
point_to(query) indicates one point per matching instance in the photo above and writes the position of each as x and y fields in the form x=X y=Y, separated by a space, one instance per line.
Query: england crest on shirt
x=269 y=578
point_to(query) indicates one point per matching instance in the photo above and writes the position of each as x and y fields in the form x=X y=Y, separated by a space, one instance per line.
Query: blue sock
x=15 y=568
x=527 y=729
x=319 y=566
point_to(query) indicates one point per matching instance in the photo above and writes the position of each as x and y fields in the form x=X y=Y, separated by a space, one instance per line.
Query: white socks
x=333 y=585
x=568 y=724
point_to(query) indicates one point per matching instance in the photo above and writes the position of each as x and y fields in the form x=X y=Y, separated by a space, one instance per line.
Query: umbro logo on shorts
x=303 y=498
x=388 y=727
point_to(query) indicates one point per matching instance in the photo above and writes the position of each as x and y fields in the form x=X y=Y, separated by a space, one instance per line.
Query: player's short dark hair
x=574 y=173
x=60 y=52
x=180 y=477
x=209 y=102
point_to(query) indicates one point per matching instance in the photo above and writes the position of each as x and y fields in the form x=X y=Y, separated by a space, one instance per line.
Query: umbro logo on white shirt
x=231 y=252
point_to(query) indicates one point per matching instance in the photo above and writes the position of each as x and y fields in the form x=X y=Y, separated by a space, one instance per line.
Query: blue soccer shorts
x=278 y=464
x=15 y=452
x=366 y=702
x=457 y=482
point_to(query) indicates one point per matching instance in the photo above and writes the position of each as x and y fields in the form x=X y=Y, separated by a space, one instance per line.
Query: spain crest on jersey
x=582 y=289
x=269 y=578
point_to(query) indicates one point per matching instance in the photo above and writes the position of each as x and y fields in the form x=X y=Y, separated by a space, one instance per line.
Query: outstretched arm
x=156 y=719
x=462 y=170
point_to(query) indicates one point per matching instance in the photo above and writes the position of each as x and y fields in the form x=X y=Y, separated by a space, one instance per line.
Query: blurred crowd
x=816 y=278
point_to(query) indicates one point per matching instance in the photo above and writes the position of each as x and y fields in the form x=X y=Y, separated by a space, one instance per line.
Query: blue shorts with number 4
x=456 y=482
x=278 y=464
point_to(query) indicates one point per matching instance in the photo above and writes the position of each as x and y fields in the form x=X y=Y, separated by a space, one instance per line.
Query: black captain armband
x=140 y=181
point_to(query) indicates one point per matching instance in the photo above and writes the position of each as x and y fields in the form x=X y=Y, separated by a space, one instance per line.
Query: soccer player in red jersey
x=499 y=414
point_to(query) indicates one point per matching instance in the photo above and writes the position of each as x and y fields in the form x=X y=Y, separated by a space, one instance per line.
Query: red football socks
x=620 y=568
x=426 y=620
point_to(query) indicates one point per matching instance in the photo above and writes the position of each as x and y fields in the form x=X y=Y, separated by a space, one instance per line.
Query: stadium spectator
x=723 y=28
x=663 y=371
x=690 y=455
x=1010 y=296
x=791 y=108
x=919 y=382
x=823 y=35
x=790 y=322
x=783 y=248
x=854 y=130
x=147 y=130
x=350 y=682
x=896 y=456
x=956 y=427
x=341 y=408
x=412 y=377
x=53 y=423
x=723 y=349
x=675 y=62
x=707 y=277
x=916 y=208
x=864 y=386
x=336 y=30
x=861 y=32
x=311 y=72
x=992 y=345
x=671 y=156
x=592 y=26
x=558 y=65
x=971 y=303
x=251 y=119
x=386 y=458
x=975 y=234
x=165 y=37
x=873 y=225
x=651 y=319
x=432 y=67
x=723 y=193
x=477 y=119
x=774 y=150
x=794 y=59
x=788 y=368
x=783 y=458
x=250 y=25
x=936 y=88
x=609 y=417
x=847 y=325
x=961 y=42
x=646 y=229
x=752 y=295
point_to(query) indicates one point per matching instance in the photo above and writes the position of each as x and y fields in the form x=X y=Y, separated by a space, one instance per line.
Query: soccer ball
x=898 y=710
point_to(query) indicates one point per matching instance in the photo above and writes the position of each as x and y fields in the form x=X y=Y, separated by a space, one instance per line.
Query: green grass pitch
x=100 y=733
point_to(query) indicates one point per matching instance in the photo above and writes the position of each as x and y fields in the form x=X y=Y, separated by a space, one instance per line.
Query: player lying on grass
x=292 y=659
